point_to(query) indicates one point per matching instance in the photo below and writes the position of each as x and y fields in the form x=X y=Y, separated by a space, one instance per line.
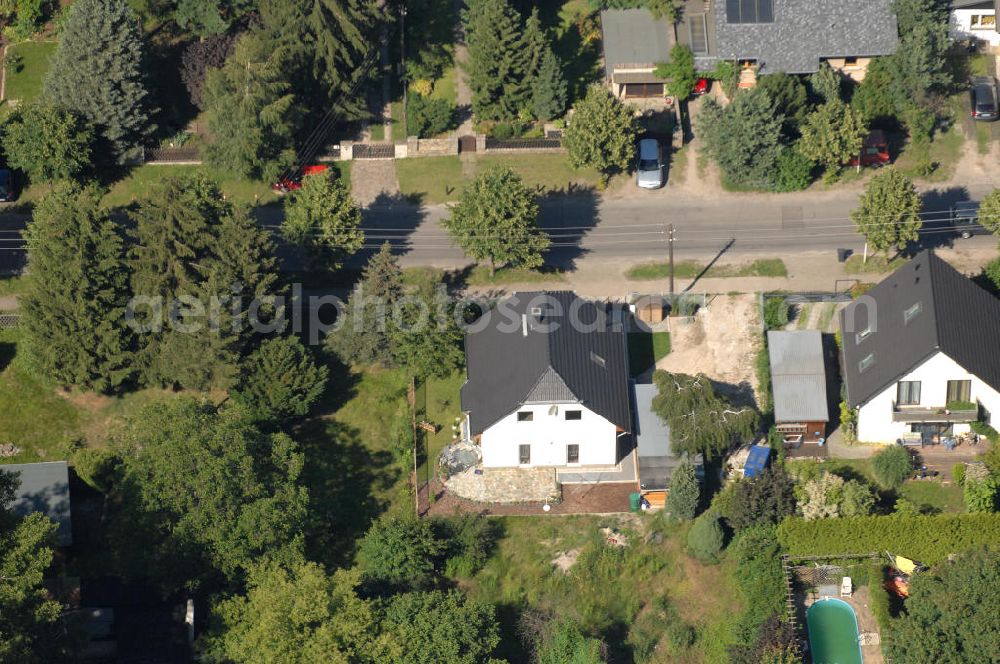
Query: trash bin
x=843 y=255
x=634 y=500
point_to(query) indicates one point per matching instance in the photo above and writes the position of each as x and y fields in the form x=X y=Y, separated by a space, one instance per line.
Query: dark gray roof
x=798 y=376
x=955 y=317
x=531 y=352
x=633 y=36
x=44 y=488
x=803 y=31
x=657 y=460
x=978 y=4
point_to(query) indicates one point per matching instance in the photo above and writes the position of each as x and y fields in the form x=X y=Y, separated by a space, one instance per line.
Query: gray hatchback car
x=649 y=170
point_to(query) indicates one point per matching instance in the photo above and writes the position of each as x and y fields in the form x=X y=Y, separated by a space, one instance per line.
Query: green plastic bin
x=634 y=501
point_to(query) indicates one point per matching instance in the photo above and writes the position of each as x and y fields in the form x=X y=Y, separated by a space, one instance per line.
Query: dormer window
x=866 y=362
x=912 y=313
x=597 y=359
x=863 y=334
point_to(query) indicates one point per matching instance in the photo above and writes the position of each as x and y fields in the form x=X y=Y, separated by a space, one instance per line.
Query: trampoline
x=833 y=632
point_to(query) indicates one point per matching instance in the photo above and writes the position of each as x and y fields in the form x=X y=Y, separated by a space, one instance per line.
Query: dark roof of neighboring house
x=44 y=488
x=530 y=352
x=978 y=4
x=657 y=460
x=955 y=317
x=798 y=376
x=804 y=31
x=633 y=36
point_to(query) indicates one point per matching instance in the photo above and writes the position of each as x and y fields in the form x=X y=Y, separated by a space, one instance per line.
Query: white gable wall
x=549 y=435
x=961 y=26
x=875 y=423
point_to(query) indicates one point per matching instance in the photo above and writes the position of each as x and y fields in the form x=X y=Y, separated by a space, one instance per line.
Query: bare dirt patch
x=720 y=341
x=566 y=559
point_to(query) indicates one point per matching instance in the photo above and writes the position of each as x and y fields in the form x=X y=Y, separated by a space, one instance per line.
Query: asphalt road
x=632 y=228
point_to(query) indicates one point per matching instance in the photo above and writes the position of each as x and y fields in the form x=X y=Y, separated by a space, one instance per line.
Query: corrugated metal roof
x=954 y=316
x=804 y=31
x=44 y=488
x=798 y=376
x=531 y=335
x=653 y=434
x=633 y=36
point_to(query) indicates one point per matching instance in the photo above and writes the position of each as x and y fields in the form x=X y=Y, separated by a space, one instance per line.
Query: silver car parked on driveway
x=649 y=171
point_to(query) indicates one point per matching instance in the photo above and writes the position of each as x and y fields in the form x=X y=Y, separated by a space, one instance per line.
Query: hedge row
x=927 y=539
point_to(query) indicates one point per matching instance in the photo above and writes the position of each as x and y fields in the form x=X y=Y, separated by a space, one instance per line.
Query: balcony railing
x=933 y=414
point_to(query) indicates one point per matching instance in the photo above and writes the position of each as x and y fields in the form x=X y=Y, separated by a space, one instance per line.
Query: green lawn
x=430 y=179
x=762 y=267
x=826 y=316
x=47 y=423
x=480 y=276
x=929 y=495
x=877 y=264
x=438 y=401
x=140 y=179
x=11 y=286
x=545 y=173
x=646 y=349
x=945 y=148
x=610 y=592
x=24 y=83
x=446 y=87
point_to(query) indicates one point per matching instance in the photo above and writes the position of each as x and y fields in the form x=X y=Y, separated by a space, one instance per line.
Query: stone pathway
x=505 y=485
x=373 y=179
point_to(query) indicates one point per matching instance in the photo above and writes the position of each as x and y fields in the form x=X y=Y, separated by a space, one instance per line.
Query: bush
x=682 y=500
x=96 y=467
x=958 y=473
x=470 y=540
x=892 y=466
x=426 y=116
x=706 y=538
x=980 y=493
x=760 y=579
x=794 y=170
x=879 y=599
x=927 y=538
x=775 y=312
x=992 y=272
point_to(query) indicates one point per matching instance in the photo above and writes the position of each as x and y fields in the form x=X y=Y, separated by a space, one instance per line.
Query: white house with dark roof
x=974 y=19
x=547 y=383
x=920 y=354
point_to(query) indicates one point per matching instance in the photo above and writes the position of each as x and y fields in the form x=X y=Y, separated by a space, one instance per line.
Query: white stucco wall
x=548 y=436
x=960 y=26
x=875 y=423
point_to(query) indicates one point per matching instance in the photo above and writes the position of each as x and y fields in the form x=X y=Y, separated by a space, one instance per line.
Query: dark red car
x=875 y=151
x=293 y=182
x=701 y=87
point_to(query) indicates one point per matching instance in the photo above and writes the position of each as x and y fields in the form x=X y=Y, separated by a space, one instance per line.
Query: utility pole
x=670 y=245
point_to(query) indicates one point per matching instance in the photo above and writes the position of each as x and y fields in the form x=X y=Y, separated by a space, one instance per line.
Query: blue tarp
x=756 y=461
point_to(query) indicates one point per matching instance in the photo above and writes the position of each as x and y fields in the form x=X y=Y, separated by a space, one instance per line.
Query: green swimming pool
x=833 y=633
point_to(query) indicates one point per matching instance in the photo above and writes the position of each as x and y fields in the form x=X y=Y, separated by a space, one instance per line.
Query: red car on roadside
x=293 y=181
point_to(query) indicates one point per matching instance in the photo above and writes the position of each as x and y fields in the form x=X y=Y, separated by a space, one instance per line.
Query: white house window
x=574 y=414
x=908 y=393
x=866 y=362
x=851 y=62
x=912 y=312
x=524 y=454
x=959 y=390
x=983 y=21
x=525 y=416
x=573 y=453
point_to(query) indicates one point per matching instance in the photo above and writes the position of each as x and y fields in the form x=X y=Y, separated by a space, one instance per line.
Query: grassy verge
x=24 y=82
x=762 y=267
x=12 y=286
x=945 y=148
x=140 y=179
x=646 y=349
x=678 y=165
x=931 y=497
x=446 y=87
x=877 y=264
x=802 y=316
x=430 y=180
x=545 y=173
x=480 y=276
x=826 y=316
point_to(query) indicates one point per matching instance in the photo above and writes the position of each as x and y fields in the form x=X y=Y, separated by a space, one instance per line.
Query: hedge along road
x=585 y=225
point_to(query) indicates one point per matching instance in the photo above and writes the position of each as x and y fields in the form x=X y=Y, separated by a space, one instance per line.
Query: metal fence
x=171 y=155
x=374 y=151
x=8 y=321
x=523 y=143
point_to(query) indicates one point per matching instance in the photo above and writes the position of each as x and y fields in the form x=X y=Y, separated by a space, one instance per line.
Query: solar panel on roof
x=765 y=11
x=733 y=11
x=749 y=11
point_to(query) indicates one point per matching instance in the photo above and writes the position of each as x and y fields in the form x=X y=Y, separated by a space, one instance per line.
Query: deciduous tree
x=602 y=133
x=950 y=615
x=565 y=643
x=989 y=212
x=682 y=500
x=198 y=58
x=496 y=221
x=73 y=314
x=434 y=627
x=209 y=494
x=280 y=380
x=48 y=143
x=790 y=97
x=826 y=83
x=832 y=135
x=298 y=614
x=252 y=112
x=679 y=72
x=744 y=138
x=765 y=499
x=424 y=334
x=701 y=421
x=399 y=553
x=323 y=218
x=98 y=71
x=889 y=211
